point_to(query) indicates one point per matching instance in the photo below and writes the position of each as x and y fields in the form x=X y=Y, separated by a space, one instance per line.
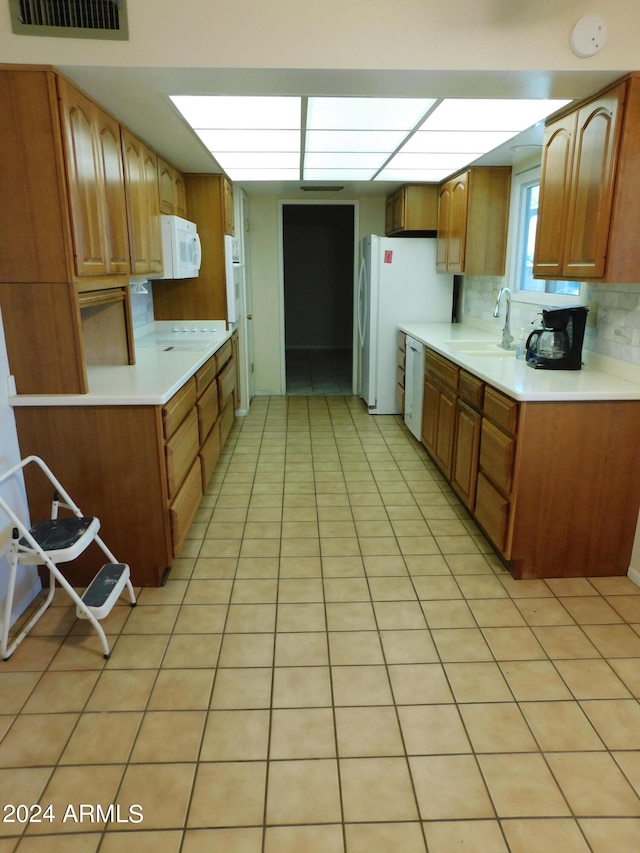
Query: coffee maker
x=558 y=345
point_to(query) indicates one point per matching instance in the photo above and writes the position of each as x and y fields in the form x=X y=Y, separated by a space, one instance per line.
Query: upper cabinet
x=473 y=212
x=226 y=188
x=143 y=205
x=96 y=184
x=588 y=215
x=414 y=207
x=172 y=192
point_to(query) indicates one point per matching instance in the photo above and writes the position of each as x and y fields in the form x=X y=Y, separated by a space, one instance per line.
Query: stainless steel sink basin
x=480 y=348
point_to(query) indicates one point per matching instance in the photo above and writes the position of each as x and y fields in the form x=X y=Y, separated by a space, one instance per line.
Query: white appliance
x=397 y=283
x=414 y=386
x=232 y=279
x=181 y=251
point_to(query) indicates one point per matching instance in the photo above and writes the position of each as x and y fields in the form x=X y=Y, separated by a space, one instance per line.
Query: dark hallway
x=318 y=292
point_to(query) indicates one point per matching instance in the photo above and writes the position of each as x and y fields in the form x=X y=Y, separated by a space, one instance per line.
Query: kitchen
x=407 y=51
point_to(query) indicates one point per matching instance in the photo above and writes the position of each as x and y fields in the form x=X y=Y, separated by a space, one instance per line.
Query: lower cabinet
x=142 y=470
x=555 y=486
x=439 y=409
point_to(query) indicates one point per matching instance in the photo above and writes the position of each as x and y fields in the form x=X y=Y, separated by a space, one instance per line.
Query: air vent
x=322 y=188
x=93 y=19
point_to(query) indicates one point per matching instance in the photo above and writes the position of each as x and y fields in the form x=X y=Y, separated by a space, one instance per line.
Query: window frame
x=527 y=176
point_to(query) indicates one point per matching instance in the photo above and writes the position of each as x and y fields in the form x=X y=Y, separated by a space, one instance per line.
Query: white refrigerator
x=397 y=283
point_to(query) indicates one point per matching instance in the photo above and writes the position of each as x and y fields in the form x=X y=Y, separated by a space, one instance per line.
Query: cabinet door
x=446 y=430
x=467 y=448
x=227 y=204
x=110 y=151
x=152 y=204
x=399 y=210
x=388 y=216
x=592 y=185
x=430 y=407
x=85 y=180
x=553 y=204
x=444 y=215
x=165 y=187
x=179 y=195
x=143 y=205
x=457 y=224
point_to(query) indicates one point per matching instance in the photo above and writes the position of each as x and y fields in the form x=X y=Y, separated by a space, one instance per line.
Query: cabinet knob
x=249 y=316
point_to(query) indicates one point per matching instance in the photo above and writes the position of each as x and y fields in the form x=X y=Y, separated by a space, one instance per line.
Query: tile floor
x=319 y=372
x=337 y=663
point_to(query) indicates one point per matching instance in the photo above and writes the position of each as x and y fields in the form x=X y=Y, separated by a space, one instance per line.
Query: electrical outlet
x=592 y=316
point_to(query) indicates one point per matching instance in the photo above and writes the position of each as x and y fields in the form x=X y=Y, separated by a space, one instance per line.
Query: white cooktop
x=185 y=335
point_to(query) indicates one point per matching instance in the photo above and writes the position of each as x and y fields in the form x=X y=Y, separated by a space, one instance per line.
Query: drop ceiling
x=141 y=99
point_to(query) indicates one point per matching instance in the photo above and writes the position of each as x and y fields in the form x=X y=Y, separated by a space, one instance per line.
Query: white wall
x=360 y=34
x=28 y=582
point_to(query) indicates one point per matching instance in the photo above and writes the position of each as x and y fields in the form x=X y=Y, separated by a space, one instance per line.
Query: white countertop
x=158 y=373
x=515 y=377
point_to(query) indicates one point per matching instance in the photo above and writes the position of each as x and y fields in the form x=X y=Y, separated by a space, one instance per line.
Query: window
x=525 y=197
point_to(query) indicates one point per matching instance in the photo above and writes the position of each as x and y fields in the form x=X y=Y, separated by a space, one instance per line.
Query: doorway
x=318 y=272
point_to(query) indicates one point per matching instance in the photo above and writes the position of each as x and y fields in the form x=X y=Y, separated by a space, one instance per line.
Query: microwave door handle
x=198 y=250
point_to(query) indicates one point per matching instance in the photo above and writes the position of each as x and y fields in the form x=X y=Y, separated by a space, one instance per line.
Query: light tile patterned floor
x=337 y=663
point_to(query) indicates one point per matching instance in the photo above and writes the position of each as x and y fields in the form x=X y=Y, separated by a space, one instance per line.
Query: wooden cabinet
x=439 y=409
x=205 y=297
x=141 y=469
x=496 y=466
x=588 y=215
x=473 y=212
x=555 y=486
x=172 y=190
x=401 y=370
x=96 y=184
x=464 y=473
x=227 y=206
x=143 y=205
x=412 y=208
x=62 y=233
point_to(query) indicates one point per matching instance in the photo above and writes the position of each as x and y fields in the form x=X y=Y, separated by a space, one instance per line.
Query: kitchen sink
x=480 y=348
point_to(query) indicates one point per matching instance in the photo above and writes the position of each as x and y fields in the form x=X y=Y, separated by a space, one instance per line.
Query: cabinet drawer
x=177 y=408
x=226 y=421
x=400 y=374
x=446 y=371
x=180 y=451
x=402 y=342
x=184 y=506
x=206 y=375
x=223 y=355
x=471 y=389
x=226 y=384
x=209 y=454
x=492 y=512
x=497 y=451
x=208 y=410
x=502 y=410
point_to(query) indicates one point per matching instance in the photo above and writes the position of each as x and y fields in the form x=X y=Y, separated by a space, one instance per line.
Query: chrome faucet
x=507 y=337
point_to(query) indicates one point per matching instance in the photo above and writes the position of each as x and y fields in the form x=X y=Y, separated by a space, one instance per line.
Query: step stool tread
x=104 y=590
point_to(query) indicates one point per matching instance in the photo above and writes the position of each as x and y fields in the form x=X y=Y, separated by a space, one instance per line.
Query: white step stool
x=59 y=540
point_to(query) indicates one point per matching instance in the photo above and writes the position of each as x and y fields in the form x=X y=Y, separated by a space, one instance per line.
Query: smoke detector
x=588 y=36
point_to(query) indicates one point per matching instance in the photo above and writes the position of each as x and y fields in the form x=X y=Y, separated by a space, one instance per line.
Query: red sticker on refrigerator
x=388 y=256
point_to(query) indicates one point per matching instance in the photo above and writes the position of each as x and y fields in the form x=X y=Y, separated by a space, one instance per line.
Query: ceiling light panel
x=353 y=140
x=366 y=113
x=435 y=141
x=503 y=114
x=233 y=113
x=251 y=140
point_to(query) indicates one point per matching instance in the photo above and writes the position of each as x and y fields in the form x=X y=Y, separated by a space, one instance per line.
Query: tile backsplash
x=142 y=307
x=617 y=330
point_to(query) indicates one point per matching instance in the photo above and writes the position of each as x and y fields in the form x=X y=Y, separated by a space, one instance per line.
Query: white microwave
x=181 y=252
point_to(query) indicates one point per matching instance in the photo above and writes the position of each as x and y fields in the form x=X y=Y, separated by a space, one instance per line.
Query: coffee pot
x=558 y=345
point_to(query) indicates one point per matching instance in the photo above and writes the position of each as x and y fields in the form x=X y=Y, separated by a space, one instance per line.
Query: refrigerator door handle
x=362 y=304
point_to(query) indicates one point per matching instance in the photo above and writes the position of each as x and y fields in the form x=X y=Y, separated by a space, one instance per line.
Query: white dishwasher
x=414 y=386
